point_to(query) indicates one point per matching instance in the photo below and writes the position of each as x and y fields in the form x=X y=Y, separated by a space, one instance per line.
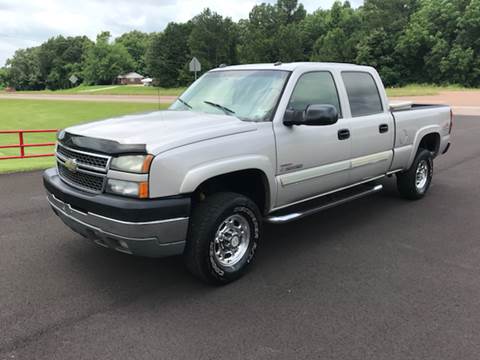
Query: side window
x=314 y=88
x=362 y=93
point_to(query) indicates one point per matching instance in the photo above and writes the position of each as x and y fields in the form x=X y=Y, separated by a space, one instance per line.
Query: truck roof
x=294 y=66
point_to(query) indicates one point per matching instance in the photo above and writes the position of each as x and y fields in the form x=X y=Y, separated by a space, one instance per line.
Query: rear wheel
x=414 y=183
x=223 y=237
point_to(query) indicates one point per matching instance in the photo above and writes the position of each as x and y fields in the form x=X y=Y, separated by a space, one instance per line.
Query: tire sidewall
x=424 y=155
x=250 y=213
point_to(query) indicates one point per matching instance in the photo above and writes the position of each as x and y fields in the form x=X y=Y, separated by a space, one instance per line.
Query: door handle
x=383 y=128
x=343 y=134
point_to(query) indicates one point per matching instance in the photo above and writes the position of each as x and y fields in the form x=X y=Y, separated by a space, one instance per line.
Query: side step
x=299 y=211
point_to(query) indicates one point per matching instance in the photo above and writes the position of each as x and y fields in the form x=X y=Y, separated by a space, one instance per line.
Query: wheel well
x=252 y=183
x=430 y=142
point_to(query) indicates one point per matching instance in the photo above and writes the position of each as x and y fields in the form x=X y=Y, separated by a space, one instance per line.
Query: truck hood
x=163 y=130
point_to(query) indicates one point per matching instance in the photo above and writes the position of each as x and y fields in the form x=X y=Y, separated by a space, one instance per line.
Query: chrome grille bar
x=91 y=172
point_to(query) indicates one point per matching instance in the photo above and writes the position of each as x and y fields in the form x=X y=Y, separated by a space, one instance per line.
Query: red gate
x=22 y=145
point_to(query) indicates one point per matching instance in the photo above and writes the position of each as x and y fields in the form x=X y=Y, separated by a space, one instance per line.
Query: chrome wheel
x=231 y=240
x=421 y=175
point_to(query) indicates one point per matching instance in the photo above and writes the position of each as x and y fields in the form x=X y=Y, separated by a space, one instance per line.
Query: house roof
x=130 y=75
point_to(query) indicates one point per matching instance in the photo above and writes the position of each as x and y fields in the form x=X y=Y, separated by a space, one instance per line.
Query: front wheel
x=223 y=237
x=414 y=183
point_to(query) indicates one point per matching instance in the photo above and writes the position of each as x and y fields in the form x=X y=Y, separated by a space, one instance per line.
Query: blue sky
x=28 y=23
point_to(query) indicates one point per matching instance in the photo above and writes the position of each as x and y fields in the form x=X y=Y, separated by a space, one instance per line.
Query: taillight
x=451 y=122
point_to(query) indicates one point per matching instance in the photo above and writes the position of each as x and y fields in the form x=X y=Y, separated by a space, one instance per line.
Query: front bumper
x=152 y=228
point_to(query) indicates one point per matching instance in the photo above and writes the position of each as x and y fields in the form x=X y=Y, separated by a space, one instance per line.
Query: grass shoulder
x=111 y=90
x=424 y=90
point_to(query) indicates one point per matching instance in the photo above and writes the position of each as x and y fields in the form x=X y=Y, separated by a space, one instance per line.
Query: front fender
x=199 y=174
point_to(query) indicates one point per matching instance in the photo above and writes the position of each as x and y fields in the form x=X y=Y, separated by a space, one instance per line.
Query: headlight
x=128 y=188
x=132 y=163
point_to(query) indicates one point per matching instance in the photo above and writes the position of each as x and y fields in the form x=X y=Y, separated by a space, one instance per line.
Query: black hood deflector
x=108 y=147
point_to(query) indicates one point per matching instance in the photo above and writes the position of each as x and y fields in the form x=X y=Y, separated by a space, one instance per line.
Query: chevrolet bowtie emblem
x=71 y=165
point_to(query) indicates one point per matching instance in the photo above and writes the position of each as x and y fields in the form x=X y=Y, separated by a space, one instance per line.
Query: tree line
x=421 y=41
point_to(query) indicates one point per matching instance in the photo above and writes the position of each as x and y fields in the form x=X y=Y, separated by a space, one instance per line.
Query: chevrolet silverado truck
x=242 y=146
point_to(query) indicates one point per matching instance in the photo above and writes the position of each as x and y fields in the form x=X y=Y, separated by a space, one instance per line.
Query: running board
x=299 y=211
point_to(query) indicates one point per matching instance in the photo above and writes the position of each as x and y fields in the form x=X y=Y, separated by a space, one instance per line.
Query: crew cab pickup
x=243 y=145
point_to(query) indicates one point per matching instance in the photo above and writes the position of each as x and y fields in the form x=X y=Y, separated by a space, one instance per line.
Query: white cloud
x=30 y=22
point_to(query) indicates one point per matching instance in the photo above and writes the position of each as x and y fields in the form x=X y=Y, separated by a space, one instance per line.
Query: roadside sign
x=195 y=66
x=73 y=79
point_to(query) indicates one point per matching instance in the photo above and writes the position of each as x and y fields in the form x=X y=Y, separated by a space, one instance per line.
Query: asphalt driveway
x=379 y=278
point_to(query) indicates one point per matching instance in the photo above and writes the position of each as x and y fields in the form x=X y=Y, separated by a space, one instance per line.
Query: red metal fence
x=22 y=144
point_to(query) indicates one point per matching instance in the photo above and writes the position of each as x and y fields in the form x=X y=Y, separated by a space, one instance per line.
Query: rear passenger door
x=371 y=127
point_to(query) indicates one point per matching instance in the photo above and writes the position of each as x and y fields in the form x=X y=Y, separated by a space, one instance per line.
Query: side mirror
x=314 y=115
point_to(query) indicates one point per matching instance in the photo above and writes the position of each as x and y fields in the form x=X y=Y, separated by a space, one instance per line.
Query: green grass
x=424 y=90
x=112 y=90
x=38 y=114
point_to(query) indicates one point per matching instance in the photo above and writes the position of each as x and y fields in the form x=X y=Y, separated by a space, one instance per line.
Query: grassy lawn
x=112 y=90
x=37 y=114
x=424 y=90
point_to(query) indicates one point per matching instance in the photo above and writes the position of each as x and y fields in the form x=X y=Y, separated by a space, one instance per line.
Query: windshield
x=250 y=95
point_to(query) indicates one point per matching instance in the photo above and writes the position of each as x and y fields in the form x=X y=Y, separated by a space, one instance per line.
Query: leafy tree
x=339 y=42
x=272 y=33
x=105 y=61
x=427 y=40
x=383 y=22
x=23 y=70
x=463 y=61
x=168 y=55
x=257 y=35
x=213 y=39
x=290 y=12
x=376 y=49
x=136 y=43
x=434 y=41
x=61 y=57
x=3 y=77
x=313 y=27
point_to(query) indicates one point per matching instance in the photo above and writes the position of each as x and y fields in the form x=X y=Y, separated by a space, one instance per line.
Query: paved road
x=380 y=278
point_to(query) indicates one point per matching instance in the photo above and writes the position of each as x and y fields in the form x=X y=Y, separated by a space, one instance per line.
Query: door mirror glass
x=314 y=115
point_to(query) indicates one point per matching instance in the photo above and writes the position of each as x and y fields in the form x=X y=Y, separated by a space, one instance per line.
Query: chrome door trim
x=312 y=173
x=371 y=159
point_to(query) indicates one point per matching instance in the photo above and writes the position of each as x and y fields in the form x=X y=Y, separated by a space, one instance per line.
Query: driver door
x=312 y=160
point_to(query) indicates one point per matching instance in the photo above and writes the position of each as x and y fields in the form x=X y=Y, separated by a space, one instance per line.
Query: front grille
x=87 y=181
x=90 y=160
x=89 y=171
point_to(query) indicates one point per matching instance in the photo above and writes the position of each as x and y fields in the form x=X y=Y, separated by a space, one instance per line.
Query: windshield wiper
x=221 y=107
x=185 y=103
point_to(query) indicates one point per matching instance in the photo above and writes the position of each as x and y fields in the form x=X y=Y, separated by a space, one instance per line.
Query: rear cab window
x=363 y=95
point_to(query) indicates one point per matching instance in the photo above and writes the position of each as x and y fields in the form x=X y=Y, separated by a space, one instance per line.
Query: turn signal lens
x=143 y=190
x=146 y=163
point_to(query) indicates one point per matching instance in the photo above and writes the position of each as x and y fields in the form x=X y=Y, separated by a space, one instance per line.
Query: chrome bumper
x=152 y=239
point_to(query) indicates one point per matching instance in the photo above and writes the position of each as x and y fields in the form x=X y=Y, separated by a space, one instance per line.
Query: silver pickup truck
x=242 y=146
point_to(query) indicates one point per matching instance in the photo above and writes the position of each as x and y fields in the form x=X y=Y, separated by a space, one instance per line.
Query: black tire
x=202 y=251
x=407 y=183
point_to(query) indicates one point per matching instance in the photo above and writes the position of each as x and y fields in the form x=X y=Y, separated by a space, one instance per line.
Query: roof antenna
x=278 y=63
